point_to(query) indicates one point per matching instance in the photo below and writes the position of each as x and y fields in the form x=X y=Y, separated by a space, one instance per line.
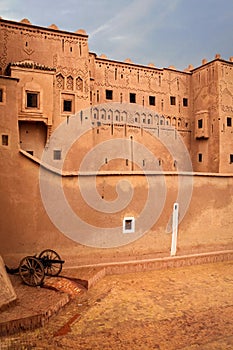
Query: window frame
x=56 y=154
x=152 y=100
x=109 y=94
x=32 y=104
x=132 y=97
x=200 y=123
x=185 y=102
x=173 y=100
x=229 y=121
x=5 y=140
x=66 y=110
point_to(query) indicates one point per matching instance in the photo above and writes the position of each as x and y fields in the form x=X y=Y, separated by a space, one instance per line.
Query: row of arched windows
x=103 y=115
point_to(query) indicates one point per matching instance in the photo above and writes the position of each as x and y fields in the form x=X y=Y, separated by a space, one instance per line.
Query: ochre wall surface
x=27 y=228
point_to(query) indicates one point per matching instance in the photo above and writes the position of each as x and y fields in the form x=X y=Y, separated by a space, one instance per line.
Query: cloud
x=131 y=26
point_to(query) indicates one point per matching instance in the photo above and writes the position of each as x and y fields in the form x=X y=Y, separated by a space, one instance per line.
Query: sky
x=163 y=32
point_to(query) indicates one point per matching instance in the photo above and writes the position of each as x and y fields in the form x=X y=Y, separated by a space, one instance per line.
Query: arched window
x=103 y=114
x=137 y=118
x=117 y=116
x=60 y=81
x=70 y=83
x=110 y=114
x=156 y=118
x=124 y=116
x=79 y=84
x=162 y=119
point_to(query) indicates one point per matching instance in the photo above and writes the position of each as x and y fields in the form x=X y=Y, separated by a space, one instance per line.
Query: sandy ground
x=185 y=308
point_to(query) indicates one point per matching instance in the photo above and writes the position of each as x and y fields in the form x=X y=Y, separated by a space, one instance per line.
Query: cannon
x=33 y=269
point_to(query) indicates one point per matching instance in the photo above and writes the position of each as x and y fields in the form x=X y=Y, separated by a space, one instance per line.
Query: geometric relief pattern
x=69 y=83
x=79 y=84
x=60 y=81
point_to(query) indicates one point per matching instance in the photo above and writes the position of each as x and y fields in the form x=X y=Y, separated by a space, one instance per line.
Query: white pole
x=174 y=228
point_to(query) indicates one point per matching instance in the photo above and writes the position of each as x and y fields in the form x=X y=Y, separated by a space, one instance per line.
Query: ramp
x=7 y=293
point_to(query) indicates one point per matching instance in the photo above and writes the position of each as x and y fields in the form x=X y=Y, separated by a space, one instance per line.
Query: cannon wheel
x=31 y=271
x=51 y=268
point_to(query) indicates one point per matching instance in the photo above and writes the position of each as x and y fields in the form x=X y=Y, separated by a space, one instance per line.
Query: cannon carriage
x=33 y=269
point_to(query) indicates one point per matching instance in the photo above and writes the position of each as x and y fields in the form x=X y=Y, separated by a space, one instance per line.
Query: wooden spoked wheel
x=31 y=271
x=51 y=261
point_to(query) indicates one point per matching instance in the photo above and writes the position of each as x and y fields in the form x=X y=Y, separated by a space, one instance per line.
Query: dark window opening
x=132 y=98
x=109 y=94
x=200 y=157
x=200 y=124
x=5 y=140
x=152 y=100
x=231 y=158
x=126 y=162
x=67 y=105
x=185 y=102
x=57 y=154
x=172 y=100
x=32 y=100
x=1 y=95
x=97 y=95
x=229 y=121
x=128 y=224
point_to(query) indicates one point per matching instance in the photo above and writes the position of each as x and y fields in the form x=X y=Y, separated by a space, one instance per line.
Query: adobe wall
x=26 y=227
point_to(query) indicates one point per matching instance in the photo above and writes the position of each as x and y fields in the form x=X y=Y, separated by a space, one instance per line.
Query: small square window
x=108 y=94
x=32 y=99
x=199 y=157
x=185 y=102
x=57 y=154
x=67 y=106
x=129 y=225
x=172 y=100
x=152 y=100
x=1 y=95
x=200 y=124
x=229 y=121
x=132 y=98
x=5 y=140
x=231 y=158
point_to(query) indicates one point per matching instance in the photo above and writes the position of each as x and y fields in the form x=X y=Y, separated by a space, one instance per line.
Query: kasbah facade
x=49 y=75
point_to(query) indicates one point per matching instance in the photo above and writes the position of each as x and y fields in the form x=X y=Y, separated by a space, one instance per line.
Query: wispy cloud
x=132 y=24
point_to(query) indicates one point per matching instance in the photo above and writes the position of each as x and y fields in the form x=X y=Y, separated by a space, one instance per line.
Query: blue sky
x=165 y=32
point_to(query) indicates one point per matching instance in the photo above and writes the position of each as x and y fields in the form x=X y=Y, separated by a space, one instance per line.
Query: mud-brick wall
x=27 y=229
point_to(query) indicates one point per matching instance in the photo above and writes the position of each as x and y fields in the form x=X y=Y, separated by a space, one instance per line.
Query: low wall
x=27 y=229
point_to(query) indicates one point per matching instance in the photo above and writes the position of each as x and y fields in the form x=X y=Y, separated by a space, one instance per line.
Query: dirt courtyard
x=185 y=308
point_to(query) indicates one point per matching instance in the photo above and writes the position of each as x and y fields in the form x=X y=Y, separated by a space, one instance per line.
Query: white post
x=174 y=228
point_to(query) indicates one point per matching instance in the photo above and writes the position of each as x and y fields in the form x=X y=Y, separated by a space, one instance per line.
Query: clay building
x=48 y=75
